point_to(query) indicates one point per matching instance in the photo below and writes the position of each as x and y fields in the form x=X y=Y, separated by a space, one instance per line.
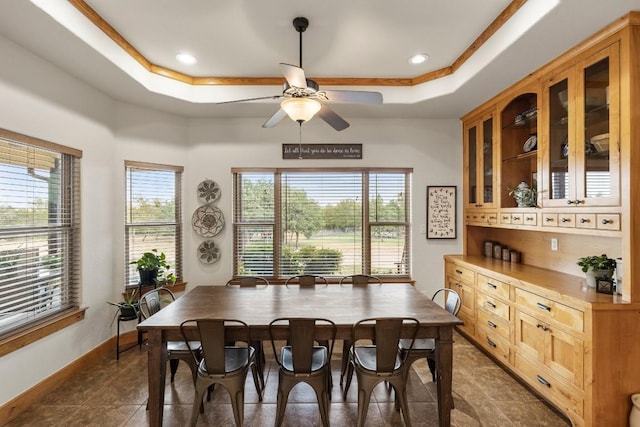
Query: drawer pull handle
x=490 y=304
x=583 y=220
x=491 y=343
x=458 y=271
x=544 y=328
x=528 y=218
x=570 y=202
x=543 y=381
x=564 y=219
x=543 y=307
x=505 y=218
x=457 y=284
x=490 y=323
x=607 y=221
x=491 y=285
x=547 y=219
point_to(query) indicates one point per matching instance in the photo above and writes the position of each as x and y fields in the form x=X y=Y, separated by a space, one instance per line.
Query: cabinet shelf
x=521 y=156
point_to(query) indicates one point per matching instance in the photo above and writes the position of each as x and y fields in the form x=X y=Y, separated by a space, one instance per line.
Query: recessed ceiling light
x=186 y=58
x=419 y=58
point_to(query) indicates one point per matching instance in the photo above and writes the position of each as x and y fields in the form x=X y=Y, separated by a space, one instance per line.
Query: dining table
x=344 y=305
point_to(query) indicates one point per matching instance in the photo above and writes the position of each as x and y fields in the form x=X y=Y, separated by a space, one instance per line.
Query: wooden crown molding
x=106 y=28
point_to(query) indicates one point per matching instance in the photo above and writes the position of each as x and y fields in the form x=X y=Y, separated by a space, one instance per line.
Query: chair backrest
x=360 y=280
x=306 y=280
x=154 y=300
x=302 y=334
x=452 y=301
x=386 y=333
x=211 y=334
x=248 y=282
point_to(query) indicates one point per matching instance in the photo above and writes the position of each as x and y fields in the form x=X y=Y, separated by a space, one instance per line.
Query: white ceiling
x=355 y=38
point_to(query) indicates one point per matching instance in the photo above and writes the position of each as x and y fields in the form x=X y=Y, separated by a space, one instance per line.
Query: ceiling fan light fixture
x=300 y=109
x=419 y=58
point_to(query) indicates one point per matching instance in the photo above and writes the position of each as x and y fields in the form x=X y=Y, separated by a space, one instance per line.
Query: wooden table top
x=342 y=305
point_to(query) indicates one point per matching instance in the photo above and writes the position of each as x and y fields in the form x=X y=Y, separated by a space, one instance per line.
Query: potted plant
x=128 y=308
x=524 y=195
x=597 y=266
x=153 y=268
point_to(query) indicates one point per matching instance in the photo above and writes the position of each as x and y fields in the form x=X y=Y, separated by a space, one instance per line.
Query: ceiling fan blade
x=275 y=119
x=294 y=75
x=251 y=99
x=334 y=120
x=353 y=96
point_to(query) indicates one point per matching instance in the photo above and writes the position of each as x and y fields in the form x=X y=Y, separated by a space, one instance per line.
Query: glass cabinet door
x=597 y=158
x=479 y=154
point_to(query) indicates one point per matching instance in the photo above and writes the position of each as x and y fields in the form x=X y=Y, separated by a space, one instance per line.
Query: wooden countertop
x=552 y=284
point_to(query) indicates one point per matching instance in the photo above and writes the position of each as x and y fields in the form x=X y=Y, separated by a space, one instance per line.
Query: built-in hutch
x=571 y=131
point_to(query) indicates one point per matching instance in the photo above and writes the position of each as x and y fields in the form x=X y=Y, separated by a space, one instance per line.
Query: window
x=39 y=230
x=153 y=215
x=331 y=222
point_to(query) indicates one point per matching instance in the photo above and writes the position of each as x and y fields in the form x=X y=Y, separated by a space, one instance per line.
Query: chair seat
x=181 y=346
x=419 y=344
x=366 y=358
x=235 y=359
x=318 y=358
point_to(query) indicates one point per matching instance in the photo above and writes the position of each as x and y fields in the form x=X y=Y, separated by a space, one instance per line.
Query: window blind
x=329 y=222
x=39 y=230
x=153 y=217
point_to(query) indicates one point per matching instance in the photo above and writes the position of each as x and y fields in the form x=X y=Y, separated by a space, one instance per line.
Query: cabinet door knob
x=607 y=221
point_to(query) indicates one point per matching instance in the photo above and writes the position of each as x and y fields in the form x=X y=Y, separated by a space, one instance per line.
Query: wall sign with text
x=441 y=212
x=322 y=151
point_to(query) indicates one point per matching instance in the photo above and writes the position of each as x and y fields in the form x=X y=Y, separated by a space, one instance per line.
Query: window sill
x=177 y=287
x=34 y=332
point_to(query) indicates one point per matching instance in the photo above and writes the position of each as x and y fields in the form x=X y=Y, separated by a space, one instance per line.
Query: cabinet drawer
x=517 y=218
x=530 y=219
x=550 y=387
x=505 y=218
x=493 y=305
x=608 y=221
x=550 y=220
x=494 y=343
x=492 y=218
x=493 y=287
x=493 y=323
x=586 y=221
x=548 y=309
x=566 y=220
x=458 y=272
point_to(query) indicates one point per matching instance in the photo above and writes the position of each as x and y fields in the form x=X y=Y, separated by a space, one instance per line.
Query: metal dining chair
x=378 y=362
x=301 y=360
x=221 y=364
x=151 y=303
x=426 y=347
x=354 y=280
x=306 y=281
x=253 y=282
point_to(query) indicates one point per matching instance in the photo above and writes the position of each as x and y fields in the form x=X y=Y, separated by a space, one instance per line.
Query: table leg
x=444 y=372
x=156 y=370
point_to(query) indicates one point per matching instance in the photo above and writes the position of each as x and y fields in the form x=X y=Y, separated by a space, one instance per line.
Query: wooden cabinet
x=580 y=138
x=555 y=334
x=462 y=280
x=479 y=167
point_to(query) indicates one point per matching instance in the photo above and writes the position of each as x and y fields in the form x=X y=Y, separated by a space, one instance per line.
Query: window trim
x=44 y=327
x=366 y=236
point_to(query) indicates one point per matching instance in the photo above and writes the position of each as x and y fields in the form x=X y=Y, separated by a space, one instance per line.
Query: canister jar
x=488 y=248
x=506 y=254
x=497 y=251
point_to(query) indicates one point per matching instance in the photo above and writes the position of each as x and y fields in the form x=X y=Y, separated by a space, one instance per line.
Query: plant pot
x=128 y=311
x=591 y=276
x=148 y=277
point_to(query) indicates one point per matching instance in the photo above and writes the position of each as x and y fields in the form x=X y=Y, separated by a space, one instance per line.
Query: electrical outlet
x=554 y=244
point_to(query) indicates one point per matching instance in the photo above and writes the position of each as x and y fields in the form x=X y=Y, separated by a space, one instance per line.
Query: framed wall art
x=441 y=212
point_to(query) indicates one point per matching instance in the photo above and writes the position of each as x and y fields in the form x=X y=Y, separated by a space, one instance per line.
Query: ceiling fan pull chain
x=300 y=142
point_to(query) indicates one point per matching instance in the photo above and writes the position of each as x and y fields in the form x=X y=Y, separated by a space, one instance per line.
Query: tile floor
x=114 y=393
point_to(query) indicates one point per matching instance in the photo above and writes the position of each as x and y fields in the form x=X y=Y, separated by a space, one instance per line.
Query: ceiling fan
x=302 y=98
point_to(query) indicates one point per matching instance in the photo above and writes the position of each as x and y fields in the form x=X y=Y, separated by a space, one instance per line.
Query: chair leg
x=346 y=348
x=197 y=404
x=173 y=365
x=284 y=387
x=238 y=406
x=364 y=395
x=256 y=380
